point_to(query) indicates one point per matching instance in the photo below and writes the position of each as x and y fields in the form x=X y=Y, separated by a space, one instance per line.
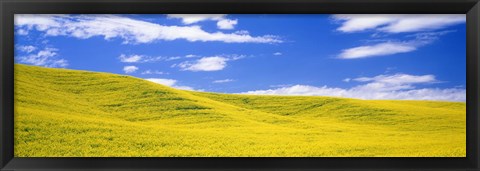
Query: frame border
x=10 y=7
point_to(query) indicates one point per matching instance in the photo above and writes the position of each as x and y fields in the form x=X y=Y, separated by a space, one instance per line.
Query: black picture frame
x=10 y=7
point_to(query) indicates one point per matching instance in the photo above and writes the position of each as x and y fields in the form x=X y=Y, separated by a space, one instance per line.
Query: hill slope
x=70 y=113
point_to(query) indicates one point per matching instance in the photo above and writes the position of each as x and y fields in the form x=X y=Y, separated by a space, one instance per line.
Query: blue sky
x=419 y=57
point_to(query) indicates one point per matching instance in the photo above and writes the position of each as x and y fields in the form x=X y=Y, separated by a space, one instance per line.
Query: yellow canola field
x=68 y=113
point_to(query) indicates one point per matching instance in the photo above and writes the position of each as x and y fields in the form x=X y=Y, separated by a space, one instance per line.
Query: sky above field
x=418 y=57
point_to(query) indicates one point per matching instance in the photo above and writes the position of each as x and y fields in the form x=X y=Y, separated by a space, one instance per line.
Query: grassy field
x=67 y=113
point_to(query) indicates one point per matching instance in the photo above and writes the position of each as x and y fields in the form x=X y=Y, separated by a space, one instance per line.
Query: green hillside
x=70 y=113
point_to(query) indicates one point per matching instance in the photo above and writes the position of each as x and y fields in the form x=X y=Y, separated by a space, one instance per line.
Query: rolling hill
x=69 y=113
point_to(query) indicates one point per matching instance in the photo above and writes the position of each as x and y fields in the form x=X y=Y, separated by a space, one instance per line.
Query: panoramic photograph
x=240 y=85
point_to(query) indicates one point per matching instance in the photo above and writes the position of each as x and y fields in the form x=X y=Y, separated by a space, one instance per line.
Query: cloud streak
x=391 y=47
x=381 y=49
x=223 y=81
x=222 y=22
x=154 y=72
x=395 y=23
x=130 y=59
x=46 y=57
x=210 y=63
x=397 y=86
x=131 y=31
x=227 y=24
x=195 y=18
x=214 y=63
x=135 y=58
x=425 y=24
x=26 y=49
x=130 y=69
x=277 y=54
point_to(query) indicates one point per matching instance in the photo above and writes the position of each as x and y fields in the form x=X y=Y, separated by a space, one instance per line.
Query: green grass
x=68 y=113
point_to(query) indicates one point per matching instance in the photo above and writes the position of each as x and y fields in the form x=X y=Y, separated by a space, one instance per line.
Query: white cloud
x=185 y=88
x=222 y=22
x=173 y=58
x=194 y=18
x=144 y=58
x=39 y=22
x=22 y=32
x=428 y=37
x=223 y=81
x=130 y=59
x=242 y=32
x=280 y=85
x=227 y=24
x=127 y=29
x=391 y=48
x=215 y=63
x=191 y=56
x=130 y=69
x=169 y=82
x=46 y=57
x=62 y=63
x=395 y=23
x=398 y=79
x=397 y=86
x=393 y=82
x=424 y=23
x=277 y=53
x=26 y=49
x=208 y=63
x=233 y=57
x=354 y=23
x=149 y=72
x=301 y=90
x=381 y=49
